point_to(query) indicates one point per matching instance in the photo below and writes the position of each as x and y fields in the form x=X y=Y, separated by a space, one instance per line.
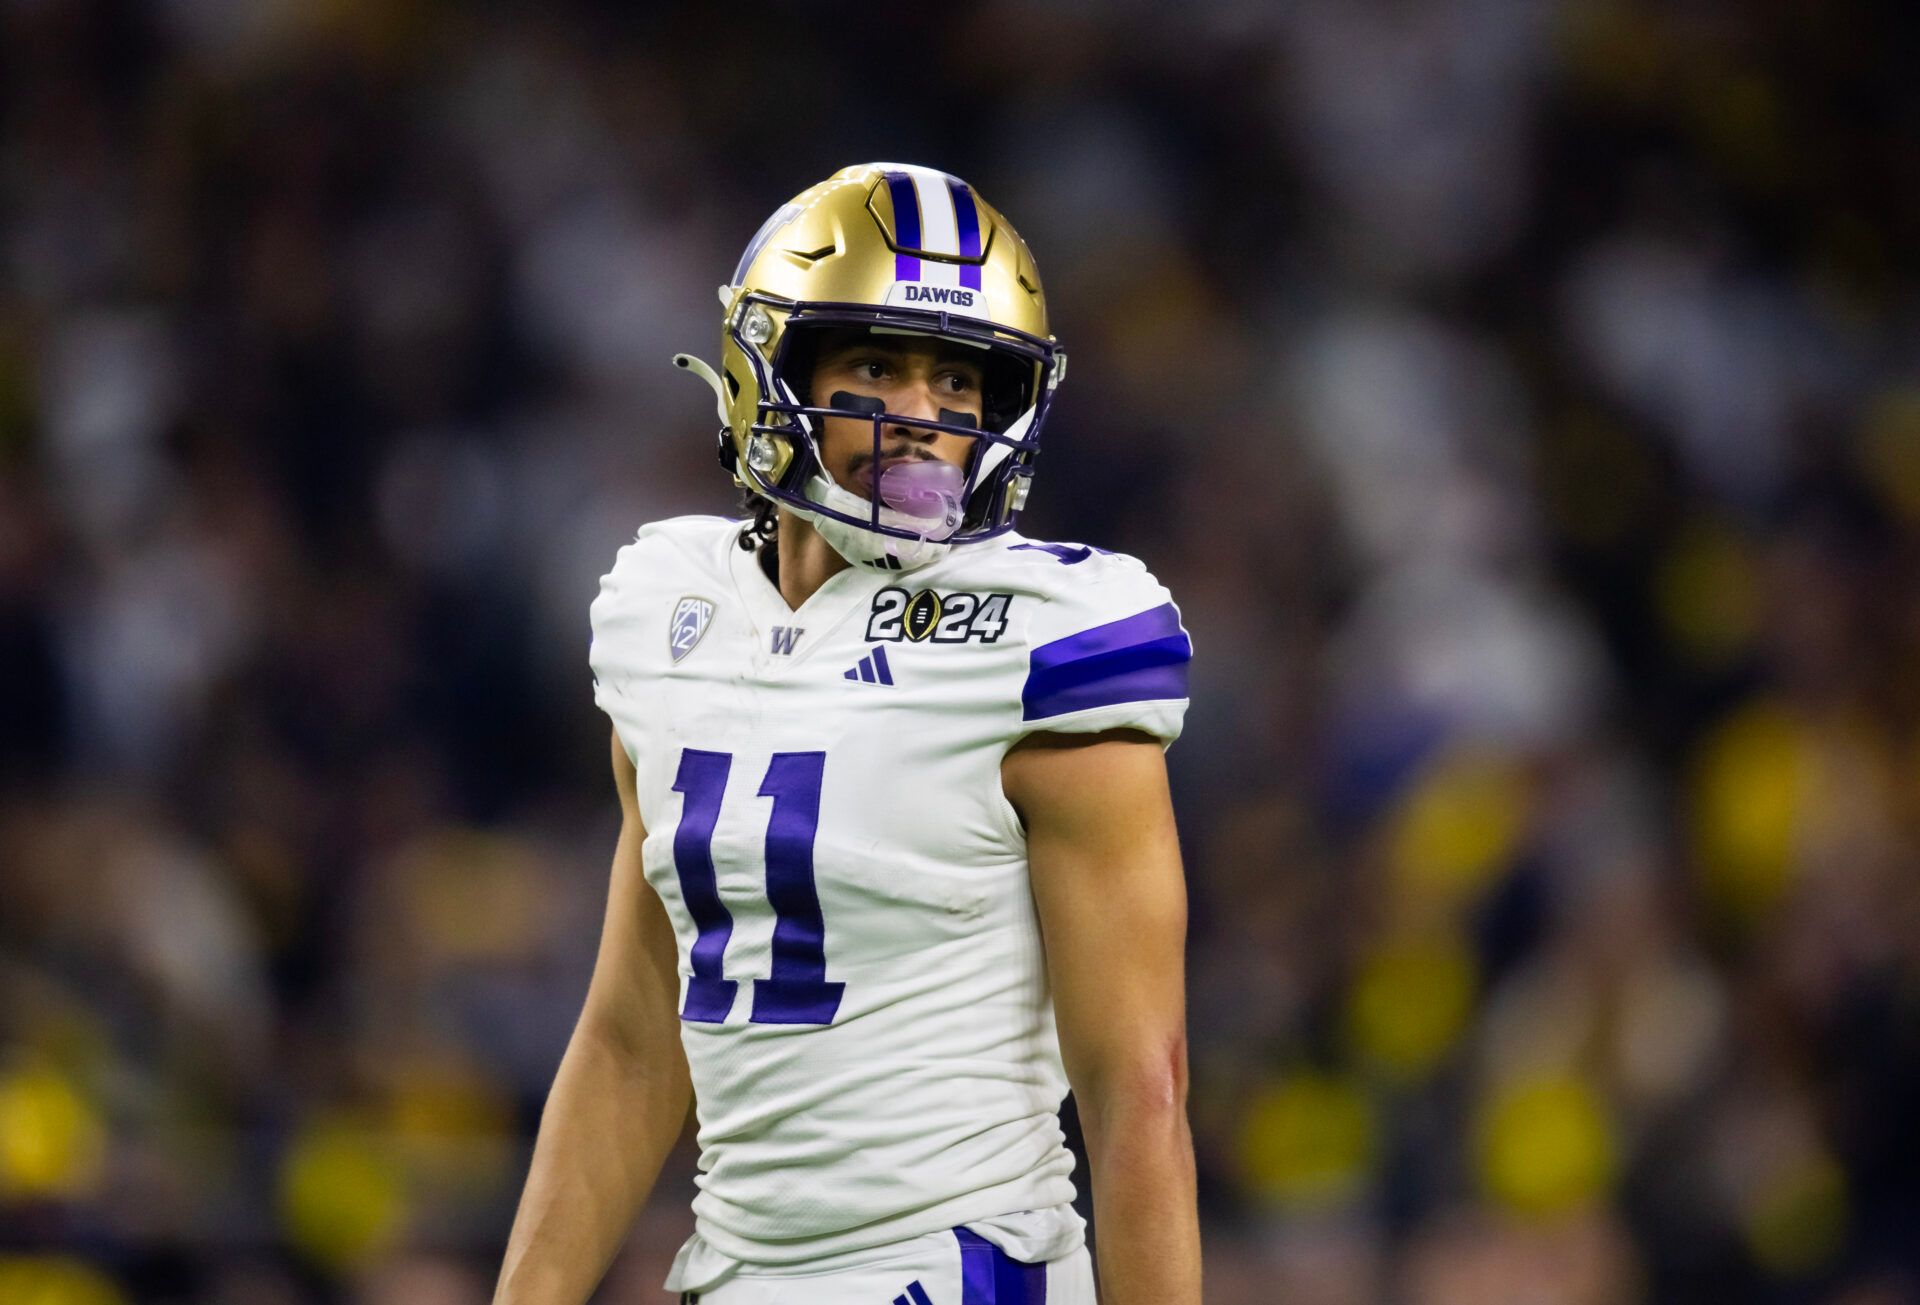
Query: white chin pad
x=829 y=495
x=862 y=545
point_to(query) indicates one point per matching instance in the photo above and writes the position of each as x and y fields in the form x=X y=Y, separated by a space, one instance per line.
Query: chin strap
x=687 y=362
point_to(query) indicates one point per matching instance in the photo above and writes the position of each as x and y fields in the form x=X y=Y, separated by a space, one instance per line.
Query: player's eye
x=958 y=382
x=870 y=369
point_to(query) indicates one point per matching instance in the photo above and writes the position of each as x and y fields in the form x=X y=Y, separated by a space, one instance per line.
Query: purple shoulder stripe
x=1142 y=658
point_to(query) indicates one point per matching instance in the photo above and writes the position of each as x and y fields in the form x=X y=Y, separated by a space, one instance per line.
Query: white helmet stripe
x=934 y=226
x=939 y=227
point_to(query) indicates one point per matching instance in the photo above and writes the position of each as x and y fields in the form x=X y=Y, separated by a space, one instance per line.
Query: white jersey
x=864 y=998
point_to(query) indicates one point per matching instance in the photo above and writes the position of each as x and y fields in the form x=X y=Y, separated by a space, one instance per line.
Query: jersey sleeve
x=628 y=649
x=616 y=653
x=650 y=603
x=1106 y=650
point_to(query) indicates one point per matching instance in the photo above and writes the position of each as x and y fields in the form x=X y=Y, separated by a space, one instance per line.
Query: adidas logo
x=915 y=1294
x=873 y=668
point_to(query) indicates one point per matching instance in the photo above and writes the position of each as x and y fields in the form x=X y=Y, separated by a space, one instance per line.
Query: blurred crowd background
x=1521 y=397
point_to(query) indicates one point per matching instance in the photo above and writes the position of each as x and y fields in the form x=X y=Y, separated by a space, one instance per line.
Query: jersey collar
x=846 y=592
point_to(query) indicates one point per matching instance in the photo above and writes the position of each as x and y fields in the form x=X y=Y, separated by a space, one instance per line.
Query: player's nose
x=916 y=399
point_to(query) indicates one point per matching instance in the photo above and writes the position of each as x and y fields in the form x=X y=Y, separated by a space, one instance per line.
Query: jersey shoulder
x=1064 y=587
x=1101 y=638
x=680 y=563
x=678 y=551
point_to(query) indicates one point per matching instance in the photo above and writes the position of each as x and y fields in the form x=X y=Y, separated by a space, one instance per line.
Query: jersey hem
x=1141 y=715
x=711 y=1255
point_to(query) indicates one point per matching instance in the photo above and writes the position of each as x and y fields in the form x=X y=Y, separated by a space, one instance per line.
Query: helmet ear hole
x=1005 y=391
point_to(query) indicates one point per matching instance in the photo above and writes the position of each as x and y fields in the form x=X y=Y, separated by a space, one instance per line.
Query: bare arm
x=619 y=1101
x=1112 y=901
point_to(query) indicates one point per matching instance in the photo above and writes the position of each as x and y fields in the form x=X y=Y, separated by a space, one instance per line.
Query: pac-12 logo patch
x=943 y=618
x=691 y=616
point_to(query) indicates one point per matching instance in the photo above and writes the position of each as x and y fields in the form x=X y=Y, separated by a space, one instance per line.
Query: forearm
x=1145 y=1215
x=609 y=1123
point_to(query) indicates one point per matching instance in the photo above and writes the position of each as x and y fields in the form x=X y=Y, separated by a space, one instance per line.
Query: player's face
x=913 y=376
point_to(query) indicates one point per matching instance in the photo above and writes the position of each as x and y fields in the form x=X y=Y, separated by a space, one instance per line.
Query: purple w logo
x=784 y=638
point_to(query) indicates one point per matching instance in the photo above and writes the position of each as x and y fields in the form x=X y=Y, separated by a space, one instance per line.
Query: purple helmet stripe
x=967 y=217
x=906 y=225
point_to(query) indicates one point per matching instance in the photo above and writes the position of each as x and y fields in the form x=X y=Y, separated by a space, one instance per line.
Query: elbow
x=629 y=1049
x=1145 y=1089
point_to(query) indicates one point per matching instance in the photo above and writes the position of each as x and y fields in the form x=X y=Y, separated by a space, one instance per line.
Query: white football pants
x=950 y=1268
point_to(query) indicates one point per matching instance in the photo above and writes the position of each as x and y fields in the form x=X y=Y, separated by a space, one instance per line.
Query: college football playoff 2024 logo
x=936 y=617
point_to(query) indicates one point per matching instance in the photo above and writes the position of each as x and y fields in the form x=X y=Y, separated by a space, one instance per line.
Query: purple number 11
x=797 y=991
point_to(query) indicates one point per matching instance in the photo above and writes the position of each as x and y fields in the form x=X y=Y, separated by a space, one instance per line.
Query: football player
x=898 y=864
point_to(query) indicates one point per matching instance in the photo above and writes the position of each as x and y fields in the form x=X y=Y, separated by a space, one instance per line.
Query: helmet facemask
x=913 y=512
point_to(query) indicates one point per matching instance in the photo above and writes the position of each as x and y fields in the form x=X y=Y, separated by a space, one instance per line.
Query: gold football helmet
x=889 y=248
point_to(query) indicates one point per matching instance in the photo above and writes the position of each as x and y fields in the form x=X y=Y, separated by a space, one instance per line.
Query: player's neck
x=804 y=560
